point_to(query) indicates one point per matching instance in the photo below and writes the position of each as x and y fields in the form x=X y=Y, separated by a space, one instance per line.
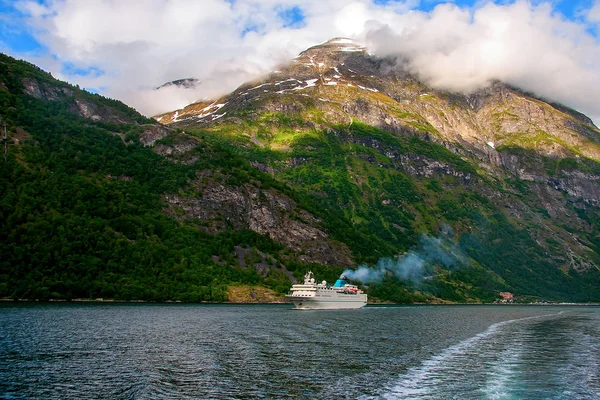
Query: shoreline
x=374 y=304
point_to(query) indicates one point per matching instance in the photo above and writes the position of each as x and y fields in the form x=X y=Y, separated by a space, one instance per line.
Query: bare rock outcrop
x=153 y=133
x=78 y=105
x=264 y=211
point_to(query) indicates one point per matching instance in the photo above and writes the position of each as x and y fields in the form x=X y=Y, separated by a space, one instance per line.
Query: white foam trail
x=419 y=381
x=503 y=373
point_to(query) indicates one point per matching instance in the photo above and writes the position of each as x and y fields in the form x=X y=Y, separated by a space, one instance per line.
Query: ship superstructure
x=322 y=296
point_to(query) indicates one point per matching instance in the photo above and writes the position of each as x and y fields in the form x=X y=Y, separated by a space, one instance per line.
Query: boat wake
x=482 y=366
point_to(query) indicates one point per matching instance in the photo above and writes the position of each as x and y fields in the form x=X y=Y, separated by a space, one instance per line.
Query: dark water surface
x=147 y=351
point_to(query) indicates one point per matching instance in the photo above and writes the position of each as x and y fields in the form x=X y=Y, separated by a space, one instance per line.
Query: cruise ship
x=321 y=296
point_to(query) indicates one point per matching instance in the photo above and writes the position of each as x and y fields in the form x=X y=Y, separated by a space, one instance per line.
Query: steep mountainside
x=514 y=176
x=337 y=160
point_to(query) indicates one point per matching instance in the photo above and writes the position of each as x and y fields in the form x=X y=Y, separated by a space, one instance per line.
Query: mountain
x=185 y=83
x=515 y=176
x=335 y=161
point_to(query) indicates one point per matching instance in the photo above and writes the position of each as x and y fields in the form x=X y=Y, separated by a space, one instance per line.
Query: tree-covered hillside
x=97 y=201
x=81 y=208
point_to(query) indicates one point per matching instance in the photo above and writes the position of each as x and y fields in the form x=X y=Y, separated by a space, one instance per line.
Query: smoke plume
x=414 y=265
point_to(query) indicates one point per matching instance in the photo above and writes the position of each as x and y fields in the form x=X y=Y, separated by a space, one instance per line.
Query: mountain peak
x=343 y=44
x=345 y=82
x=185 y=83
x=337 y=44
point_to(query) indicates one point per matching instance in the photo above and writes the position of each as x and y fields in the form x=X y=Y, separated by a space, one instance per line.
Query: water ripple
x=74 y=351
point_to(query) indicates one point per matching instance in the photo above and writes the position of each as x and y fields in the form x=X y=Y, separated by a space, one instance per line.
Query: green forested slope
x=382 y=211
x=81 y=212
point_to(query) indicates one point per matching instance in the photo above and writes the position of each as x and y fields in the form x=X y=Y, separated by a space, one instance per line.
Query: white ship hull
x=321 y=296
x=327 y=303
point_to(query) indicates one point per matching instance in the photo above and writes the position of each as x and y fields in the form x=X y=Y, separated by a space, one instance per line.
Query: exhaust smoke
x=412 y=266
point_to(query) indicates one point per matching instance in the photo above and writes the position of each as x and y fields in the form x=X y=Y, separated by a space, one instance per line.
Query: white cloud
x=140 y=44
x=594 y=13
x=143 y=44
x=531 y=47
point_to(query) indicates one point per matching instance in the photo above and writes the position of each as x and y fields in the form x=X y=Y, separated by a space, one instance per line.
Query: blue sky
x=14 y=36
x=125 y=48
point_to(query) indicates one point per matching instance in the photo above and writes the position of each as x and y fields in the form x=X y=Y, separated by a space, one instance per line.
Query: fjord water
x=152 y=351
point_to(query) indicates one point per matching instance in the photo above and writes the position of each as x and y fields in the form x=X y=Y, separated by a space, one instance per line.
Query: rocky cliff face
x=221 y=207
x=78 y=104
